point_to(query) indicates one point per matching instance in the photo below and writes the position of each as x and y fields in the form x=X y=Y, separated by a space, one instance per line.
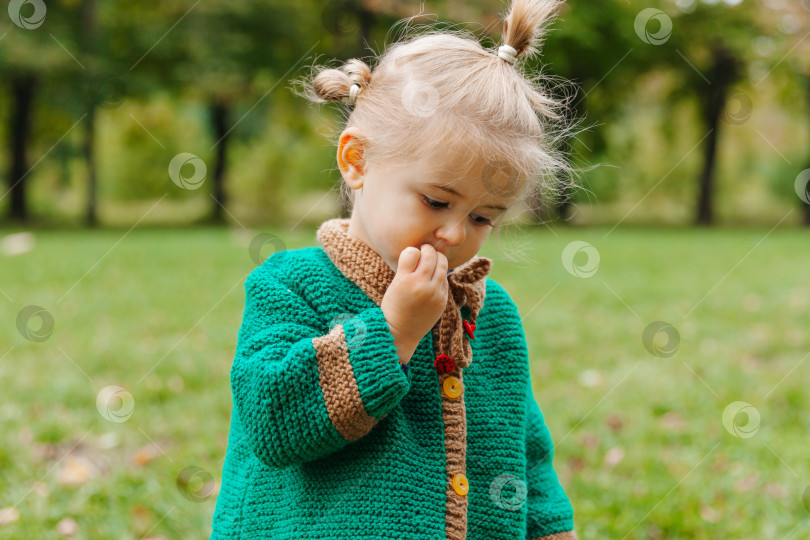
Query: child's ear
x=350 y=157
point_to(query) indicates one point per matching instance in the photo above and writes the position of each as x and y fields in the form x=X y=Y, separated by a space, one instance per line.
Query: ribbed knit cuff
x=381 y=379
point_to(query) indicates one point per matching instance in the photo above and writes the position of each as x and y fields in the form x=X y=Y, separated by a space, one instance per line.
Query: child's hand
x=416 y=297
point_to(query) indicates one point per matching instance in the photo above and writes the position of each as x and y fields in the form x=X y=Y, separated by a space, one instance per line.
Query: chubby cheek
x=399 y=228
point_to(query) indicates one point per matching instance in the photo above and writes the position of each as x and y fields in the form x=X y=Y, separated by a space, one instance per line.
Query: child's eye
x=433 y=204
x=481 y=220
x=436 y=205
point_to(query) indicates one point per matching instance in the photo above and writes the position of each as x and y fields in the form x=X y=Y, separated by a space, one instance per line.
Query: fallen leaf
x=673 y=421
x=108 y=441
x=615 y=422
x=775 y=490
x=145 y=454
x=9 y=515
x=614 y=456
x=67 y=527
x=17 y=243
x=748 y=482
x=709 y=514
x=75 y=471
x=590 y=440
x=591 y=378
x=41 y=489
x=576 y=463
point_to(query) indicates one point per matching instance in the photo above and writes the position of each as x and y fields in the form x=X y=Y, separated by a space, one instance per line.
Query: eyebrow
x=457 y=194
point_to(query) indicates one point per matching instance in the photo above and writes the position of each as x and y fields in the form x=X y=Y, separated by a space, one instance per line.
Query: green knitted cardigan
x=332 y=438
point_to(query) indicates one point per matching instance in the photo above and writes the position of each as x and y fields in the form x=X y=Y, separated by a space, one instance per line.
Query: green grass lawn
x=641 y=446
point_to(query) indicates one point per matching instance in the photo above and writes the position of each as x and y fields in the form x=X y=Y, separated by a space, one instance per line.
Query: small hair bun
x=343 y=84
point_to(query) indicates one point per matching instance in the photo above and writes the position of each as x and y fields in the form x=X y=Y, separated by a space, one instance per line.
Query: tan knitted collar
x=361 y=264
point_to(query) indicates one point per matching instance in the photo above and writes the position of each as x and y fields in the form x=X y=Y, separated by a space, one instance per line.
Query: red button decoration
x=444 y=364
x=468 y=328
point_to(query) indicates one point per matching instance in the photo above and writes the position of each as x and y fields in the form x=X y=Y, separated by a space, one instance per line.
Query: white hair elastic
x=508 y=53
x=352 y=97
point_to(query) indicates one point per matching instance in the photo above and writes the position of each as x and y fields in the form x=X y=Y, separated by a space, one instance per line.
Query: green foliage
x=137 y=143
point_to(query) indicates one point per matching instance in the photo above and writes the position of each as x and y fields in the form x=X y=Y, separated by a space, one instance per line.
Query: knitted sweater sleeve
x=551 y=515
x=302 y=393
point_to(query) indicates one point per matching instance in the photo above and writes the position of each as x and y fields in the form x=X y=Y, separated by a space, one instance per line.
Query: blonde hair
x=439 y=90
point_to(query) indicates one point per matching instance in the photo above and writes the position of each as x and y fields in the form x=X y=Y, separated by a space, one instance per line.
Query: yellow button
x=460 y=484
x=452 y=387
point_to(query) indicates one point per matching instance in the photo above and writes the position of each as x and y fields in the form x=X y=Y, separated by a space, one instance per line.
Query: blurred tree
x=89 y=48
x=791 y=22
x=37 y=44
x=697 y=38
x=221 y=53
x=779 y=53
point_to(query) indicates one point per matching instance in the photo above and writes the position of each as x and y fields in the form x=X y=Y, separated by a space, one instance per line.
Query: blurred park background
x=154 y=153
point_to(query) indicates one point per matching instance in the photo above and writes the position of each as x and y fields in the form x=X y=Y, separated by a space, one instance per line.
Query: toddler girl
x=381 y=382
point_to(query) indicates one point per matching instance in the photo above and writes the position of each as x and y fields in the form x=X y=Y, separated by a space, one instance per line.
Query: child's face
x=393 y=209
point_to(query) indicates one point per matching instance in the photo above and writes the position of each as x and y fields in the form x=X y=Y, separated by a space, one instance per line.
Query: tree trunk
x=22 y=90
x=88 y=15
x=88 y=150
x=725 y=70
x=705 y=210
x=219 y=123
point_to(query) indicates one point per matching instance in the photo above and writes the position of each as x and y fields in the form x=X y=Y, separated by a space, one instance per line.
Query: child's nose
x=452 y=233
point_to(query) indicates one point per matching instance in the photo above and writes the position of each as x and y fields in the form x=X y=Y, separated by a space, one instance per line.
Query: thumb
x=408 y=259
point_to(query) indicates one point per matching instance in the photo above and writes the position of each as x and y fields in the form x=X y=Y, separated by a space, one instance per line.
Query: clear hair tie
x=508 y=53
x=352 y=97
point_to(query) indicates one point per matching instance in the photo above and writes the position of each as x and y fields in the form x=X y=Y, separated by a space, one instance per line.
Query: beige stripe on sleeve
x=339 y=386
x=567 y=535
